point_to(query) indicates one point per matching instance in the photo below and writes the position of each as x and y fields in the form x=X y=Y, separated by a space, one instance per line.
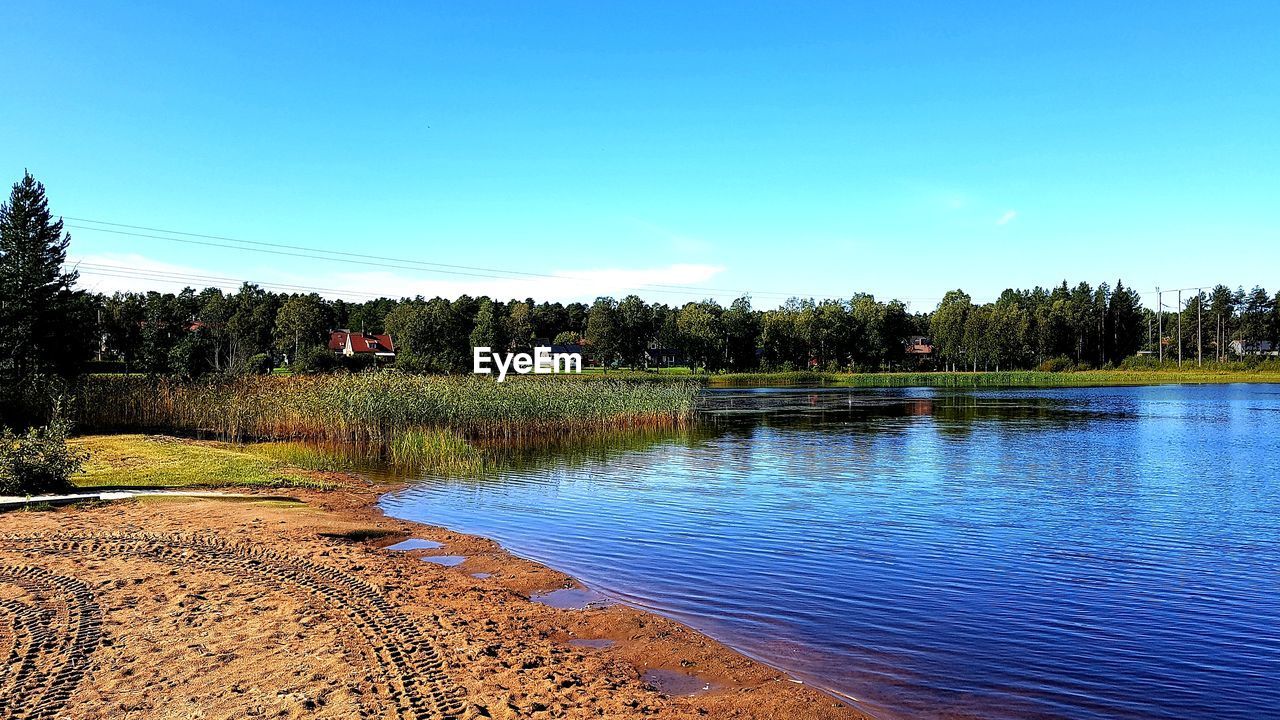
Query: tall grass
x=377 y=408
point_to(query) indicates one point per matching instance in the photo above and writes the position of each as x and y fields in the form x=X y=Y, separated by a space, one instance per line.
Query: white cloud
x=108 y=273
x=565 y=286
x=1008 y=217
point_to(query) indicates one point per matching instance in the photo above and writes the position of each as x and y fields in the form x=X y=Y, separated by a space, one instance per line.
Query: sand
x=219 y=609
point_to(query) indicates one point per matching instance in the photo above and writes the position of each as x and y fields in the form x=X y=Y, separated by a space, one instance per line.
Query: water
x=1067 y=553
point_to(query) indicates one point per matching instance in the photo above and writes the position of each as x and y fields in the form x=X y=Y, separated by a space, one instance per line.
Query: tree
x=867 y=342
x=895 y=328
x=519 y=323
x=602 y=330
x=249 y=328
x=41 y=316
x=742 y=333
x=701 y=334
x=1256 y=318
x=832 y=333
x=431 y=336
x=122 y=318
x=635 y=325
x=1125 y=321
x=947 y=325
x=50 y=329
x=976 y=339
x=786 y=335
x=485 y=332
x=1275 y=322
x=301 y=320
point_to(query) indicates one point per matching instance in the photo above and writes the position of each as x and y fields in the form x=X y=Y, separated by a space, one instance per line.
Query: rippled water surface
x=1069 y=553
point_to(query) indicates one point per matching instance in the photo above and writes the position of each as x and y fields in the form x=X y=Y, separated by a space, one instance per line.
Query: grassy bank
x=1022 y=378
x=377 y=408
x=158 y=461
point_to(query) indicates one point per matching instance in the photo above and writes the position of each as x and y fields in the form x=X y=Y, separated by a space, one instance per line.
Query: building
x=663 y=357
x=919 y=345
x=1262 y=347
x=347 y=343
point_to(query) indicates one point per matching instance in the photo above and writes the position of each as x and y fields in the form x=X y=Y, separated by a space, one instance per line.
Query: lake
x=1062 y=553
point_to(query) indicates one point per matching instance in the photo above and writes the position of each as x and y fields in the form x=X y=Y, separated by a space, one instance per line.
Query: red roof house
x=345 y=342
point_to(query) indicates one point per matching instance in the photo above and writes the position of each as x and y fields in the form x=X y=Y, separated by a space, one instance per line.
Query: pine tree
x=40 y=315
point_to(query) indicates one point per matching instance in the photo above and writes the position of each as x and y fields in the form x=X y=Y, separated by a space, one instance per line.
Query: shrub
x=37 y=461
x=259 y=364
x=1139 y=362
x=314 y=359
x=1061 y=363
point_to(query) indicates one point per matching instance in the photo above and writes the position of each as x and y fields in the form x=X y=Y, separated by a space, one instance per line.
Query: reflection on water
x=1066 y=553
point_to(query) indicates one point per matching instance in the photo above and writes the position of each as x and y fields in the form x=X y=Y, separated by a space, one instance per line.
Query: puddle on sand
x=670 y=682
x=482 y=576
x=445 y=560
x=571 y=599
x=416 y=544
x=587 y=643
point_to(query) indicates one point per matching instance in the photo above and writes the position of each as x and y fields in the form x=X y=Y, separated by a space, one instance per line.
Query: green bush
x=1139 y=362
x=1061 y=363
x=259 y=364
x=37 y=461
x=314 y=359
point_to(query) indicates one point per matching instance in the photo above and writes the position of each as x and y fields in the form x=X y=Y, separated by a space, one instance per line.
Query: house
x=345 y=342
x=663 y=357
x=1262 y=347
x=564 y=348
x=919 y=345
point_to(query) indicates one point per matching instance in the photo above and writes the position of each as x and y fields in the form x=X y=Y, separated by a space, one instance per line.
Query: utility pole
x=1179 y=329
x=1160 y=323
x=1199 y=334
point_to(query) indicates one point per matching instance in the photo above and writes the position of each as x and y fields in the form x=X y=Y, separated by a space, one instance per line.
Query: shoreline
x=614 y=599
x=507 y=655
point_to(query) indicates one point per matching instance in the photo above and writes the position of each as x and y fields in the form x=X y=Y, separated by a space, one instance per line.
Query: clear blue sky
x=899 y=148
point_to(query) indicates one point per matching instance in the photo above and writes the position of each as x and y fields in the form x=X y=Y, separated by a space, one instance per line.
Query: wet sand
x=217 y=609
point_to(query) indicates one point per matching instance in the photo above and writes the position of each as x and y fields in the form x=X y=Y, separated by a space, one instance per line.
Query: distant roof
x=361 y=342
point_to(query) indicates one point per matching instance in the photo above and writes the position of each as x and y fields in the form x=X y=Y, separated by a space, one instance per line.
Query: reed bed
x=377 y=408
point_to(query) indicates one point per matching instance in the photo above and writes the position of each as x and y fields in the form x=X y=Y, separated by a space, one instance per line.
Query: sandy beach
x=181 y=608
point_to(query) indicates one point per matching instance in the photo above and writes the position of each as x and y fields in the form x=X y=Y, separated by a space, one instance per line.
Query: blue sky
x=898 y=148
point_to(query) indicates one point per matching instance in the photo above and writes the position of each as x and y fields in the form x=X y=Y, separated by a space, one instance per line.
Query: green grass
x=298 y=455
x=1017 y=378
x=157 y=461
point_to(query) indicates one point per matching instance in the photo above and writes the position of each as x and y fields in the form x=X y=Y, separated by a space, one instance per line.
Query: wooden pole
x=1179 y=329
x=1199 y=332
x=1160 y=324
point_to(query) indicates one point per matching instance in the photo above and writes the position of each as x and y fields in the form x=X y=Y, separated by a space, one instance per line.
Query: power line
x=178 y=278
x=383 y=261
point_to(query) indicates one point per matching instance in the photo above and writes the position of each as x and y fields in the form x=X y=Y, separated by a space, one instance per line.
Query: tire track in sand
x=420 y=689
x=53 y=638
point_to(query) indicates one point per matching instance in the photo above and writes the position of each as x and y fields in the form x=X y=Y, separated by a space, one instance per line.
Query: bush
x=33 y=400
x=259 y=364
x=314 y=359
x=1061 y=363
x=1139 y=362
x=38 y=461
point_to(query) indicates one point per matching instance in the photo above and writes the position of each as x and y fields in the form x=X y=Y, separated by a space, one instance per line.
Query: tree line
x=196 y=332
